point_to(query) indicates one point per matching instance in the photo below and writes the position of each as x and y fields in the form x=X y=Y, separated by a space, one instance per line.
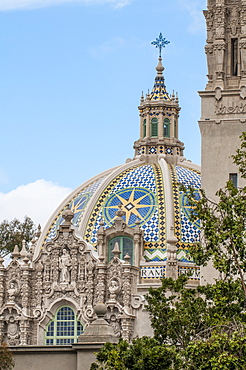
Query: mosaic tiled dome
x=146 y=187
x=148 y=193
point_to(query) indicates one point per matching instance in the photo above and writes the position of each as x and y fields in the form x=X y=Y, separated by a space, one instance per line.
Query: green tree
x=14 y=232
x=6 y=358
x=142 y=354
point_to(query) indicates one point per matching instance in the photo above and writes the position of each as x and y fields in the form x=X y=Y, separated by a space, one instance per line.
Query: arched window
x=144 y=127
x=166 y=128
x=154 y=127
x=64 y=328
x=125 y=245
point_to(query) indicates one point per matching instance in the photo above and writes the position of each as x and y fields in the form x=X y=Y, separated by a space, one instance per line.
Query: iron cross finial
x=160 y=43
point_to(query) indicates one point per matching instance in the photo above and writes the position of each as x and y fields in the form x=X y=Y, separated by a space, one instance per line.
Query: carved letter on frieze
x=218 y=94
x=243 y=92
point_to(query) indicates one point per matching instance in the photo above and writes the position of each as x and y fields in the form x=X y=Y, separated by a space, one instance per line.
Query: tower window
x=154 y=127
x=175 y=129
x=144 y=127
x=234 y=56
x=166 y=128
x=64 y=328
x=125 y=245
x=233 y=179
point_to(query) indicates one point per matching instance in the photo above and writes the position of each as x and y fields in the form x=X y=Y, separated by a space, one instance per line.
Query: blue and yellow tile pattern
x=140 y=191
x=186 y=231
x=78 y=205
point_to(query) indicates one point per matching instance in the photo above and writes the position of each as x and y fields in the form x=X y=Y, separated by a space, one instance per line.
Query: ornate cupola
x=159 y=113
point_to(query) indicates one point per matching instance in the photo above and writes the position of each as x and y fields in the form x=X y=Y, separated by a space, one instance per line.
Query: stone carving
x=13 y=332
x=114 y=287
x=218 y=94
x=114 y=322
x=64 y=266
x=12 y=290
x=230 y=107
x=243 y=92
x=67 y=272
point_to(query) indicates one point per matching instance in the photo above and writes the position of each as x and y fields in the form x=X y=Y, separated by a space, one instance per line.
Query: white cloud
x=37 y=200
x=31 y=4
x=107 y=47
x=194 y=8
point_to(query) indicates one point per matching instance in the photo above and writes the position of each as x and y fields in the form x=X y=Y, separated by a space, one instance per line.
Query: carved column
x=209 y=50
x=24 y=332
x=102 y=253
x=126 y=284
x=137 y=238
x=47 y=269
x=100 y=287
x=1 y=328
x=219 y=54
x=74 y=264
x=39 y=284
x=148 y=129
x=242 y=46
x=55 y=264
x=90 y=285
x=126 y=324
x=172 y=262
x=160 y=125
x=25 y=285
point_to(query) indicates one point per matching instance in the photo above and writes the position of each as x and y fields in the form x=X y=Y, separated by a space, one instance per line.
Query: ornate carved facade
x=67 y=272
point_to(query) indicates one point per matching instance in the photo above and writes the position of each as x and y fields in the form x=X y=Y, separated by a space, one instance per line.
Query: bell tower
x=223 y=113
x=159 y=114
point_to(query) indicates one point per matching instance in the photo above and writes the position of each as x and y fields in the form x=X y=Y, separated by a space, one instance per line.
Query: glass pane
x=128 y=248
x=65 y=313
x=50 y=330
x=233 y=178
x=154 y=127
x=79 y=328
x=111 y=247
x=49 y=342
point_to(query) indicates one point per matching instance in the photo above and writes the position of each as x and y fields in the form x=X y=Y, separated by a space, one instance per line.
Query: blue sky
x=72 y=72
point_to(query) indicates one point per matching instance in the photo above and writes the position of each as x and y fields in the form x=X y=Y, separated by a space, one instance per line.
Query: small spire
x=120 y=212
x=16 y=253
x=68 y=215
x=142 y=98
x=127 y=259
x=23 y=252
x=159 y=67
x=38 y=233
x=116 y=251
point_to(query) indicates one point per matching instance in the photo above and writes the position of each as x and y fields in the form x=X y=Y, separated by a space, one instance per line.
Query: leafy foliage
x=6 y=358
x=143 y=354
x=14 y=232
x=223 y=225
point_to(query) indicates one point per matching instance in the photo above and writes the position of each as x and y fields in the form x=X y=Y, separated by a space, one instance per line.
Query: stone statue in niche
x=113 y=288
x=115 y=325
x=12 y=291
x=13 y=332
x=64 y=265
